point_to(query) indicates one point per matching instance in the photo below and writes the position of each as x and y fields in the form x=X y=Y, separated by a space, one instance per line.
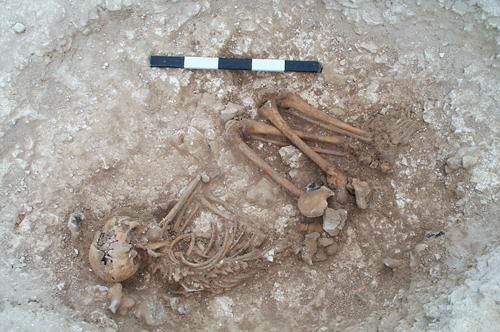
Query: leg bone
x=288 y=100
x=308 y=202
x=335 y=179
x=255 y=127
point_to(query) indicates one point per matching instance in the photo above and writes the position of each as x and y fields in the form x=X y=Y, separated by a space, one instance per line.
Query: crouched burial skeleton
x=188 y=261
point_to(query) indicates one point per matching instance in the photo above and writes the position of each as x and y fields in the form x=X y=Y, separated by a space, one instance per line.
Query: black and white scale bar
x=238 y=64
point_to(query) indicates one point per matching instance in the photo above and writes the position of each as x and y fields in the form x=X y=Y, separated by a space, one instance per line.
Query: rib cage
x=189 y=262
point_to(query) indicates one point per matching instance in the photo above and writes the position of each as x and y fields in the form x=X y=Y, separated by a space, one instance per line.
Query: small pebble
x=391 y=262
x=19 y=28
x=468 y=161
x=326 y=241
x=365 y=159
x=332 y=249
x=231 y=111
x=342 y=62
x=74 y=222
x=291 y=156
x=127 y=303
x=421 y=247
x=319 y=257
x=414 y=259
x=205 y=178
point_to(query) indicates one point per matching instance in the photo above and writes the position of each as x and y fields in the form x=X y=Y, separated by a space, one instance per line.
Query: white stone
x=114 y=5
x=231 y=111
x=291 y=156
x=19 y=28
x=391 y=262
x=334 y=221
x=468 y=161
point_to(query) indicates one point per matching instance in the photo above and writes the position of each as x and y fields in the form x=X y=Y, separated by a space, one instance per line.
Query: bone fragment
x=328 y=126
x=288 y=100
x=314 y=203
x=178 y=206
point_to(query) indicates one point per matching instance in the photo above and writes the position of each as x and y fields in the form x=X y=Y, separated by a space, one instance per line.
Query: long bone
x=180 y=203
x=336 y=180
x=280 y=143
x=311 y=204
x=256 y=127
x=288 y=100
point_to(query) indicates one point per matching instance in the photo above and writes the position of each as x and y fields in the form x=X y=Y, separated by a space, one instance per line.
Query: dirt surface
x=87 y=126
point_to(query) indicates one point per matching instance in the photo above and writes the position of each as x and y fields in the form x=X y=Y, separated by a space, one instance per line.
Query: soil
x=87 y=126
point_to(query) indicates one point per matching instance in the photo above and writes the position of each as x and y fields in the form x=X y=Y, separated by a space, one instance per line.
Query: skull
x=111 y=255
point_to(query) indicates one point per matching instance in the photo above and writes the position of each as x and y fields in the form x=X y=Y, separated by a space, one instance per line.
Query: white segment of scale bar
x=201 y=63
x=268 y=65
